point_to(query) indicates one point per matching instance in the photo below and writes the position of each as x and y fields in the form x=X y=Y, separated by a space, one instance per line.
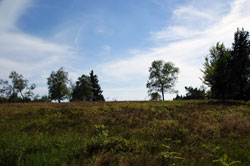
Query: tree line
x=226 y=72
x=86 y=88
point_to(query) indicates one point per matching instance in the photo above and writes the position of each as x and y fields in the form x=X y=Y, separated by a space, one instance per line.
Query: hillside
x=181 y=133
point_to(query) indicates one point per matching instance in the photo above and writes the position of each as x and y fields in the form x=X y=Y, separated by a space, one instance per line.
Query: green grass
x=183 y=133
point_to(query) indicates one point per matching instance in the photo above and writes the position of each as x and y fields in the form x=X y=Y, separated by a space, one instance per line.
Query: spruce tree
x=83 y=90
x=240 y=65
x=216 y=74
x=96 y=88
x=227 y=72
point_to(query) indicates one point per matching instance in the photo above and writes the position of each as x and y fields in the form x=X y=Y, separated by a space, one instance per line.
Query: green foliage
x=193 y=94
x=87 y=88
x=216 y=73
x=224 y=161
x=169 y=157
x=83 y=90
x=184 y=133
x=40 y=149
x=57 y=85
x=96 y=88
x=44 y=98
x=18 y=86
x=155 y=96
x=226 y=71
x=240 y=66
x=162 y=77
x=3 y=100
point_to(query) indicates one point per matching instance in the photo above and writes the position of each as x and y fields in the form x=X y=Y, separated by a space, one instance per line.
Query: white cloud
x=174 y=33
x=29 y=55
x=189 y=12
x=10 y=11
x=187 y=53
x=185 y=42
x=78 y=34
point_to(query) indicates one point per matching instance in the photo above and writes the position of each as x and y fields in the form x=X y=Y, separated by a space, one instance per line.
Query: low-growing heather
x=181 y=133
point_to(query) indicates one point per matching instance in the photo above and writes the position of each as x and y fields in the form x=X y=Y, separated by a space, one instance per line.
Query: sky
x=117 y=39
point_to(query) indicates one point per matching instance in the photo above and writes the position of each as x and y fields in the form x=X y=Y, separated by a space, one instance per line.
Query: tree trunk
x=13 y=96
x=162 y=93
x=59 y=101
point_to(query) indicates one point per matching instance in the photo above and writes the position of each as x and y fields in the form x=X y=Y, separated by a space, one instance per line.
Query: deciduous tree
x=155 y=96
x=57 y=85
x=162 y=77
x=18 y=86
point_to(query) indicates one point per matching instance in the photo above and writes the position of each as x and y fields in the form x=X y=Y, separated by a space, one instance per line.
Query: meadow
x=181 y=133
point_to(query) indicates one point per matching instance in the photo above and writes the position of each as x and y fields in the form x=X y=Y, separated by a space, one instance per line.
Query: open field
x=181 y=133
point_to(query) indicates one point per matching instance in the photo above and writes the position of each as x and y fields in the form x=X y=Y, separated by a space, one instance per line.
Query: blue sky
x=117 y=39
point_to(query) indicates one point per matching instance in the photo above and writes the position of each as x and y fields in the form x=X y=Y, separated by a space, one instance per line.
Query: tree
x=240 y=65
x=83 y=90
x=57 y=85
x=193 y=94
x=162 y=77
x=5 y=89
x=216 y=73
x=155 y=96
x=96 y=88
x=227 y=72
x=28 y=95
x=19 y=85
x=43 y=98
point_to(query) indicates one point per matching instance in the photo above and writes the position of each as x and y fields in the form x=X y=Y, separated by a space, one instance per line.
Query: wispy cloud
x=185 y=40
x=189 y=12
x=188 y=52
x=174 y=33
x=29 y=55
x=10 y=11
x=78 y=34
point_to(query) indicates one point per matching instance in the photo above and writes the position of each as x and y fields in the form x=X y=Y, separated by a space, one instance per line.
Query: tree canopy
x=57 y=85
x=155 y=96
x=193 y=94
x=96 y=88
x=227 y=72
x=240 y=66
x=83 y=90
x=87 y=88
x=216 y=73
x=162 y=77
x=17 y=87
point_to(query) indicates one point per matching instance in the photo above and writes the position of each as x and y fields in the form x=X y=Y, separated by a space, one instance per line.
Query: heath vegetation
x=183 y=133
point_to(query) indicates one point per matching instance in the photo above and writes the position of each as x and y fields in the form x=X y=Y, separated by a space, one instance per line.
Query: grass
x=182 y=133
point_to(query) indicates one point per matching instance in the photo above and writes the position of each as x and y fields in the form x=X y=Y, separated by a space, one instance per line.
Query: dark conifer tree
x=240 y=65
x=227 y=72
x=216 y=74
x=97 y=92
x=82 y=91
